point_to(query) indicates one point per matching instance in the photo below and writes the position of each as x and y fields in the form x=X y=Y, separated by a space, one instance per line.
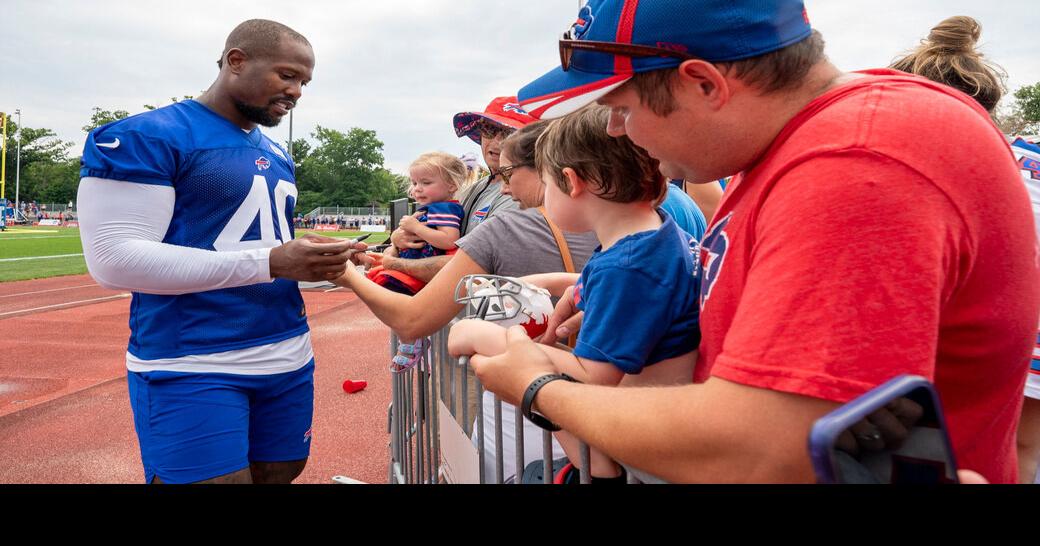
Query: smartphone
x=857 y=443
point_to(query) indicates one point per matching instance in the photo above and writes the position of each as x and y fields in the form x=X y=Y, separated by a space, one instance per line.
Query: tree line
x=333 y=169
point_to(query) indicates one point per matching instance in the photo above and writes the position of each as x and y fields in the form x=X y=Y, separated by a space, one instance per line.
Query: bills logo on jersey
x=577 y=292
x=308 y=435
x=481 y=214
x=263 y=164
x=712 y=255
x=1031 y=166
x=695 y=253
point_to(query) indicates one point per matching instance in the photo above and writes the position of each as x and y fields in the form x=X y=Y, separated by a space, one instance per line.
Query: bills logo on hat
x=514 y=107
x=712 y=255
x=263 y=164
x=584 y=23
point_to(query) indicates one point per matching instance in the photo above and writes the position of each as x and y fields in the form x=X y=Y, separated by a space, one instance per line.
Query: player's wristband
x=532 y=391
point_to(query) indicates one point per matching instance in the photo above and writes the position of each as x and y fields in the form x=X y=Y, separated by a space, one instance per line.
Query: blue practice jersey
x=234 y=191
x=640 y=299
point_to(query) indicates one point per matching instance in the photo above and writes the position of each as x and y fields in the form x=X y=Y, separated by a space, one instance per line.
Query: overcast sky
x=400 y=67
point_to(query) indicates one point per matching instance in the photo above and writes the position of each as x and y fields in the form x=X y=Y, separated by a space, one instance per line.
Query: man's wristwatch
x=532 y=391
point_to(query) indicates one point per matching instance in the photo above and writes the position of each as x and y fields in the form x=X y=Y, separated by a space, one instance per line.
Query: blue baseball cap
x=600 y=54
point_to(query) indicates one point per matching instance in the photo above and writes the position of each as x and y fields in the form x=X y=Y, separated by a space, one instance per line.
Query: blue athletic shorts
x=194 y=427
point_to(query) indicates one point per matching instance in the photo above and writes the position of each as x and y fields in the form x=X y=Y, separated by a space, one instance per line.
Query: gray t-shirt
x=482 y=201
x=519 y=243
x=516 y=243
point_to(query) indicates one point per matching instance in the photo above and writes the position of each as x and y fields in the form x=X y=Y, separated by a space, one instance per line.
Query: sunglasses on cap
x=491 y=131
x=568 y=43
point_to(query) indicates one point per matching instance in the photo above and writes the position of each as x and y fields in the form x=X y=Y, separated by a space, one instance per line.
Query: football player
x=190 y=207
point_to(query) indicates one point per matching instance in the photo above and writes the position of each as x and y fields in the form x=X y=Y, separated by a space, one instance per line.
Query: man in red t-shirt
x=878 y=227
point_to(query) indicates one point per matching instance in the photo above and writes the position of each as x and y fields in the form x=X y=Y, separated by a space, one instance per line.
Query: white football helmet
x=507 y=301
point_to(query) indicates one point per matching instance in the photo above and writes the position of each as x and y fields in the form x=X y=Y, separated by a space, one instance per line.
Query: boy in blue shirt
x=639 y=291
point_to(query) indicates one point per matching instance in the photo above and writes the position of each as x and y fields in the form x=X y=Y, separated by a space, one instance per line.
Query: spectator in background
x=684 y=210
x=949 y=56
x=707 y=196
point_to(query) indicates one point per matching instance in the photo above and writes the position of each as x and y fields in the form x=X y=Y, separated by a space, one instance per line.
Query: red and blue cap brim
x=712 y=30
x=559 y=93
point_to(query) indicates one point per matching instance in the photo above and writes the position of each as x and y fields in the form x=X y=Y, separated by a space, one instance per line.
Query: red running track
x=65 y=415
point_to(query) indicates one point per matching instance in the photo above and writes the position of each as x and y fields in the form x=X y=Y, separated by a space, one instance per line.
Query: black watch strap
x=532 y=391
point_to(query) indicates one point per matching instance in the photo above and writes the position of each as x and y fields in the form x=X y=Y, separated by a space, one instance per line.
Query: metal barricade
x=420 y=395
x=430 y=418
x=431 y=401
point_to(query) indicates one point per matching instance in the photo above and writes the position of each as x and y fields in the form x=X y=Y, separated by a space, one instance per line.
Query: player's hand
x=312 y=258
x=565 y=320
x=405 y=239
x=509 y=373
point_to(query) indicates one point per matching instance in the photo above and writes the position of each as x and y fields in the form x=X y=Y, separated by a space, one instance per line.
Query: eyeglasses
x=491 y=131
x=568 y=44
x=506 y=172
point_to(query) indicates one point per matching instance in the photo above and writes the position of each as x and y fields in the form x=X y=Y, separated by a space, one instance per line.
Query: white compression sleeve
x=122 y=225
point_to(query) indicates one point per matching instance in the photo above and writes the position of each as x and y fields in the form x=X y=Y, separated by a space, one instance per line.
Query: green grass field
x=42 y=252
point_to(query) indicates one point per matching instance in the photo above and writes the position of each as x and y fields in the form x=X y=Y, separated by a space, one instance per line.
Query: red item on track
x=351 y=387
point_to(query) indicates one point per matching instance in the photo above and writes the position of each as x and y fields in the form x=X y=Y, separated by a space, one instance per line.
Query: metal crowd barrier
x=431 y=417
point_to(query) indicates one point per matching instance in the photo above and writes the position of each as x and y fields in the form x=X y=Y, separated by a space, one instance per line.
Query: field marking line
x=34 y=238
x=50 y=290
x=67 y=304
x=40 y=257
x=15 y=230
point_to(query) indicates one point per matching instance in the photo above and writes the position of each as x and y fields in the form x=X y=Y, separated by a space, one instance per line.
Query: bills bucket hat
x=503 y=111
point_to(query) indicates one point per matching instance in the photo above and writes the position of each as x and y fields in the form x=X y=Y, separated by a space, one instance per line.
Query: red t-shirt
x=885 y=231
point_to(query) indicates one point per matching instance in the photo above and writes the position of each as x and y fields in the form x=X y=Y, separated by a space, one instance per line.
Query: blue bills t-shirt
x=440 y=213
x=640 y=299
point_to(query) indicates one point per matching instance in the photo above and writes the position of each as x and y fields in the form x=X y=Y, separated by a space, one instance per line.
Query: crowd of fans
x=713 y=235
x=31 y=211
x=342 y=221
x=822 y=273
